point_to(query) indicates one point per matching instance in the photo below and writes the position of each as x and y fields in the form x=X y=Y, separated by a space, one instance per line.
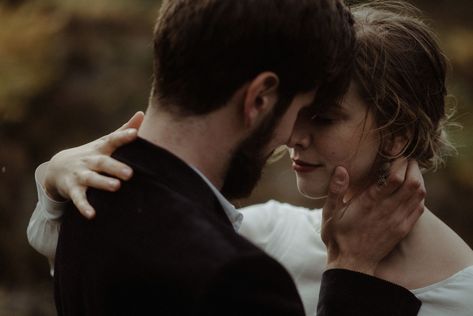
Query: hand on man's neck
x=205 y=142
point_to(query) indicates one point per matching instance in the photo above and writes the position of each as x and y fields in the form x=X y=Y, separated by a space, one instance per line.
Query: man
x=230 y=79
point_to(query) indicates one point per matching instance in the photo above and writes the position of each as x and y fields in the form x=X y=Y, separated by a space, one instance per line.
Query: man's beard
x=247 y=163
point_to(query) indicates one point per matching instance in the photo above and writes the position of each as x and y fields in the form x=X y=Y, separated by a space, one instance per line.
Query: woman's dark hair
x=400 y=73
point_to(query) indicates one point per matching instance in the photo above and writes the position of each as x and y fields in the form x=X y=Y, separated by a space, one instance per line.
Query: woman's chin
x=313 y=193
x=316 y=197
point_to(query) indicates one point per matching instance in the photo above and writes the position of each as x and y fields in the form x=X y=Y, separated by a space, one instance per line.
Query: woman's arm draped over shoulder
x=76 y=174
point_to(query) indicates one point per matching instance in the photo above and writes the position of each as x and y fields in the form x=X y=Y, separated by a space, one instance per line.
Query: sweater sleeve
x=345 y=292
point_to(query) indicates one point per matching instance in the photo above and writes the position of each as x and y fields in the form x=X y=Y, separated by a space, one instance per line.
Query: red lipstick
x=303 y=167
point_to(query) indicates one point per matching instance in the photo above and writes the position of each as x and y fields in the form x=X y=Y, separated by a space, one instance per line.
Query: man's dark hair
x=204 y=50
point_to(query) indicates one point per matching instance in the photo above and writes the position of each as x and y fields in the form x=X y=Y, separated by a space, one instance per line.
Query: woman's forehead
x=352 y=99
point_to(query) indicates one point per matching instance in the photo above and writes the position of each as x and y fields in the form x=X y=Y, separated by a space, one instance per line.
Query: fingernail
x=126 y=172
x=113 y=183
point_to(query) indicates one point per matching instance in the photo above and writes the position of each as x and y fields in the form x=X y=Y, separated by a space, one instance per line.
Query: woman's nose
x=300 y=137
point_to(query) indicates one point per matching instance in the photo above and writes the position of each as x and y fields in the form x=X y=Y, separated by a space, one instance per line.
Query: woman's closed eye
x=322 y=119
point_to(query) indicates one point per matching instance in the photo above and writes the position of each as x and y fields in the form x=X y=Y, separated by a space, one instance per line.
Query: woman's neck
x=431 y=252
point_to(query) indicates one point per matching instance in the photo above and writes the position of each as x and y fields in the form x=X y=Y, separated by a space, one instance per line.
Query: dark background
x=71 y=71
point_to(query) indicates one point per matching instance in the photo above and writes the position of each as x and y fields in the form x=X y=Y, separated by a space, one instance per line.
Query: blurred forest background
x=73 y=70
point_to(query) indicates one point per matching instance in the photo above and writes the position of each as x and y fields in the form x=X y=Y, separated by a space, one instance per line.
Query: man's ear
x=261 y=96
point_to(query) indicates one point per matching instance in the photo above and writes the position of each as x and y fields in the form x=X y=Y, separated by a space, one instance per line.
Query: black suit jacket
x=162 y=245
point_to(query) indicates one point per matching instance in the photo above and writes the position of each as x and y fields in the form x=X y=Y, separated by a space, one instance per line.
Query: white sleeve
x=44 y=225
x=257 y=225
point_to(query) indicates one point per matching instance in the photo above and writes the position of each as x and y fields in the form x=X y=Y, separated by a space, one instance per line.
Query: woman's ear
x=260 y=98
x=395 y=146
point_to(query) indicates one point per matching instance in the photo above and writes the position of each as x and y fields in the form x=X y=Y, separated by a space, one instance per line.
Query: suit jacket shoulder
x=162 y=243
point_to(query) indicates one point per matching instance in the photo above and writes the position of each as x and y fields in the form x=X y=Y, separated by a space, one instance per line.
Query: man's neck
x=205 y=142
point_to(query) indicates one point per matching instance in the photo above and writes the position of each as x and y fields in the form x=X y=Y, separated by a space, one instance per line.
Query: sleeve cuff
x=53 y=210
x=345 y=292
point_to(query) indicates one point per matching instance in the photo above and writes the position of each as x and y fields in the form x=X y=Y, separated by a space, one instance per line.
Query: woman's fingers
x=72 y=171
x=111 y=142
x=90 y=179
x=79 y=198
x=134 y=122
x=109 y=166
x=95 y=180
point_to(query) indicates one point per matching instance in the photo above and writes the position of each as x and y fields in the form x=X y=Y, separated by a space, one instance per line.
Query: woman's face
x=344 y=135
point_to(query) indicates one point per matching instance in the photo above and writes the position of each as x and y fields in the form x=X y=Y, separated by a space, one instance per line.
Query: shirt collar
x=233 y=214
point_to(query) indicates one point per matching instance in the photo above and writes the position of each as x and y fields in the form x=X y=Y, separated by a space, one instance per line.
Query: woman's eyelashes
x=322 y=119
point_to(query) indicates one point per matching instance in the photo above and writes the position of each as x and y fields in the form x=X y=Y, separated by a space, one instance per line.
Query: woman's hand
x=70 y=172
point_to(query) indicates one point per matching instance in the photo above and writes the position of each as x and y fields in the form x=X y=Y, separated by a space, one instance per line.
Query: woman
x=394 y=107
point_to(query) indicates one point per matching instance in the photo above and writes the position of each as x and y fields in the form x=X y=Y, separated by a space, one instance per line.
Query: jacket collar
x=169 y=170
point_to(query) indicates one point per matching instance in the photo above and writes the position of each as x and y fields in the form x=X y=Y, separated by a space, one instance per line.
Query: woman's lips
x=304 y=167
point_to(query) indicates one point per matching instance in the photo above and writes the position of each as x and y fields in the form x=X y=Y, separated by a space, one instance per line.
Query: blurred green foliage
x=72 y=70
